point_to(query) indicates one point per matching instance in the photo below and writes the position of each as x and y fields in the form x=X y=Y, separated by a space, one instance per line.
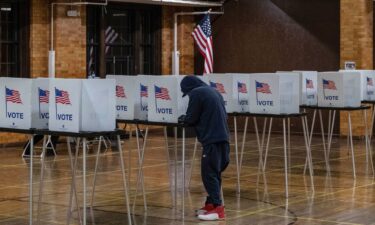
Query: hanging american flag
x=43 y=96
x=369 y=81
x=162 y=93
x=144 y=91
x=263 y=88
x=218 y=86
x=241 y=87
x=202 y=35
x=62 y=97
x=120 y=91
x=110 y=37
x=13 y=96
x=309 y=84
x=329 y=84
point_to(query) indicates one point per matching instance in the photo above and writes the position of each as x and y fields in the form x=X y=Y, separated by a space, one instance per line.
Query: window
x=8 y=40
x=124 y=39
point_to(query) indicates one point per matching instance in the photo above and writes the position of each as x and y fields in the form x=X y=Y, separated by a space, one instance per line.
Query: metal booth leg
x=368 y=142
x=351 y=144
x=323 y=140
x=169 y=162
x=237 y=162
x=243 y=142
x=41 y=182
x=192 y=161
x=124 y=179
x=73 y=187
x=285 y=160
x=308 y=150
x=140 y=179
x=31 y=140
x=183 y=172
x=95 y=171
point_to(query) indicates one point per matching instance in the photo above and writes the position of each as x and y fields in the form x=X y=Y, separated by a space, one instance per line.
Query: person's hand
x=181 y=119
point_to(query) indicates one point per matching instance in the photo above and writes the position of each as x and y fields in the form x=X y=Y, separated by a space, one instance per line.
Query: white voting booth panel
x=240 y=94
x=223 y=83
x=165 y=101
x=82 y=105
x=15 y=101
x=141 y=97
x=309 y=87
x=125 y=96
x=274 y=93
x=40 y=103
x=367 y=83
x=339 y=89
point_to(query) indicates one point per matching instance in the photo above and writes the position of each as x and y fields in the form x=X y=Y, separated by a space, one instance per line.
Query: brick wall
x=69 y=42
x=185 y=41
x=356 y=44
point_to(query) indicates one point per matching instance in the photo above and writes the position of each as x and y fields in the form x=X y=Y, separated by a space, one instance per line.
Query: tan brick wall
x=185 y=41
x=69 y=42
x=356 y=44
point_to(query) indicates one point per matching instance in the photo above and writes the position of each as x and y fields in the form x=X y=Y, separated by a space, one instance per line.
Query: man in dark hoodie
x=206 y=112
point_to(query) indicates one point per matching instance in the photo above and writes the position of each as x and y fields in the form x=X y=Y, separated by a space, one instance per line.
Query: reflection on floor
x=338 y=198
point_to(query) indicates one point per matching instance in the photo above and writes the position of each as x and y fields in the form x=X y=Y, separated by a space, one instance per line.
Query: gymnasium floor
x=338 y=198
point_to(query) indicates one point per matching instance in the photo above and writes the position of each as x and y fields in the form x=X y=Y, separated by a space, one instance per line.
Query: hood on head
x=188 y=83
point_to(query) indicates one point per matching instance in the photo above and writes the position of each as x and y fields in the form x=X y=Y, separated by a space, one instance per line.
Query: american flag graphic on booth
x=241 y=87
x=144 y=92
x=120 y=91
x=43 y=96
x=62 y=97
x=162 y=93
x=329 y=84
x=309 y=84
x=12 y=96
x=262 y=88
x=218 y=86
x=369 y=82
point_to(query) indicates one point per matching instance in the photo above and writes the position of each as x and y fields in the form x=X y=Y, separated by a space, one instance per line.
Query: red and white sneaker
x=217 y=213
x=204 y=209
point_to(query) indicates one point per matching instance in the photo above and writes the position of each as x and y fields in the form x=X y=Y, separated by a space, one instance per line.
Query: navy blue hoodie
x=206 y=111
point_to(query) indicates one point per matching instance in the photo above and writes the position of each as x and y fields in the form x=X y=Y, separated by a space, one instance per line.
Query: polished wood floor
x=338 y=198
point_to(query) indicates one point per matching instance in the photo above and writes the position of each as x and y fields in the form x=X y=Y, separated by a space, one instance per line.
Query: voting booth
x=223 y=83
x=141 y=85
x=240 y=94
x=309 y=87
x=165 y=101
x=82 y=105
x=367 y=83
x=40 y=103
x=339 y=89
x=125 y=96
x=15 y=101
x=274 y=93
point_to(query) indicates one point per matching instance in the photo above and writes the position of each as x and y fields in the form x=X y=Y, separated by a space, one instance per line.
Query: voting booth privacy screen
x=274 y=93
x=15 y=101
x=141 y=97
x=82 y=105
x=126 y=92
x=165 y=102
x=240 y=94
x=40 y=103
x=223 y=83
x=367 y=83
x=339 y=89
x=309 y=87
